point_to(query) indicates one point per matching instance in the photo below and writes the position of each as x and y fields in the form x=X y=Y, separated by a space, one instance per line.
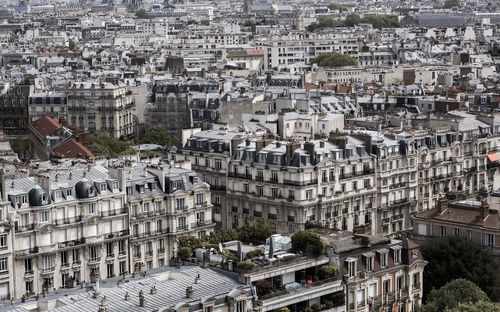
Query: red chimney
x=442 y=205
x=485 y=209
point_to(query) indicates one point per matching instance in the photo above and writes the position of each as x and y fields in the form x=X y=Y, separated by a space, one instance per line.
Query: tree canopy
x=336 y=6
x=454 y=257
x=255 y=232
x=334 y=59
x=452 y=294
x=480 y=306
x=307 y=241
x=71 y=44
x=351 y=20
x=157 y=135
x=142 y=14
x=448 y=4
x=110 y=147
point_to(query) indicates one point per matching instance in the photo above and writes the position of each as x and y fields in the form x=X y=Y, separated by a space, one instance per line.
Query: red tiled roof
x=310 y=86
x=463 y=215
x=46 y=126
x=73 y=149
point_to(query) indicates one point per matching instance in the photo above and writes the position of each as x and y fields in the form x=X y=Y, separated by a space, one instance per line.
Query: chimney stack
x=485 y=208
x=442 y=205
x=189 y=292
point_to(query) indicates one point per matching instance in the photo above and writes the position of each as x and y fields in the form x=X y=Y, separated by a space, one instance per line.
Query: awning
x=493 y=157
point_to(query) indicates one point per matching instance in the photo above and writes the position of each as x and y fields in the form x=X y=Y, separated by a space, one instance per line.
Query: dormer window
x=57 y=195
x=369 y=260
x=141 y=188
x=396 y=252
x=115 y=185
x=383 y=257
x=69 y=192
x=351 y=266
x=102 y=187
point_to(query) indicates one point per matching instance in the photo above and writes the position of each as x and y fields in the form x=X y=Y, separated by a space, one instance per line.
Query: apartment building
x=70 y=226
x=291 y=184
x=302 y=48
x=94 y=107
x=473 y=220
x=14 y=109
x=164 y=204
x=209 y=152
x=52 y=105
x=178 y=105
x=380 y=274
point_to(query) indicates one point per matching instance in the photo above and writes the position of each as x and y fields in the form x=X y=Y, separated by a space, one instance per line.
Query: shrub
x=288 y=258
x=254 y=253
x=189 y=241
x=245 y=265
x=263 y=288
x=328 y=271
x=184 y=252
x=285 y=309
x=230 y=255
x=308 y=241
x=338 y=299
x=316 y=307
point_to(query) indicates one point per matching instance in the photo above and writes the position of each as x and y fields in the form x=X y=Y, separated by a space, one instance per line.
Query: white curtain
x=62 y=236
x=107 y=227
x=118 y=203
x=72 y=212
x=119 y=225
x=4 y=290
x=45 y=239
x=92 y=230
x=72 y=233
x=60 y=213
x=26 y=242
x=422 y=229
x=105 y=206
x=372 y=290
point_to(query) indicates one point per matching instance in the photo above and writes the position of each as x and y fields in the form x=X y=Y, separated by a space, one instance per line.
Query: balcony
x=26 y=252
x=386 y=220
x=94 y=260
x=137 y=255
x=149 y=253
x=24 y=227
x=48 y=270
x=283 y=298
x=397 y=185
x=300 y=183
x=161 y=250
x=69 y=220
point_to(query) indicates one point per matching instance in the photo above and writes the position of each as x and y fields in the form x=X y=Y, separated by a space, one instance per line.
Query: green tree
x=255 y=232
x=328 y=271
x=454 y=257
x=480 y=306
x=72 y=44
x=141 y=14
x=336 y=6
x=21 y=147
x=221 y=236
x=157 y=135
x=309 y=242
x=452 y=294
x=108 y=146
x=448 y=4
x=184 y=253
x=352 y=20
x=334 y=59
x=189 y=241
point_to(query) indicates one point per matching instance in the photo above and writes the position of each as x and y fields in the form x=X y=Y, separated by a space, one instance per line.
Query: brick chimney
x=485 y=209
x=442 y=205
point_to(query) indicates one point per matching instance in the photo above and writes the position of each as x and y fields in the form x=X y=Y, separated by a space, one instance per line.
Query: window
x=123 y=267
x=44 y=216
x=369 y=263
x=469 y=234
x=241 y=306
x=3 y=241
x=3 y=265
x=397 y=256
x=361 y=298
x=94 y=253
x=489 y=240
x=456 y=231
x=76 y=256
x=351 y=267
x=260 y=190
x=110 y=270
x=181 y=223
x=64 y=258
x=372 y=290
x=309 y=194
x=386 y=286
x=274 y=192
x=180 y=203
x=109 y=249
x=121 y=247
x=383 y=259
x=200 y=199
x=91 y=208
x=416 y=280
x=442 y=231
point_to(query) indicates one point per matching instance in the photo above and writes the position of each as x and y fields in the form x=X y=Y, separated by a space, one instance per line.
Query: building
x=52 y=105
x=14 y=110
x=469 y=219
x=50 y=138
x=164 y=203
x=379 y=274
x=69 y=226
x=102 y=106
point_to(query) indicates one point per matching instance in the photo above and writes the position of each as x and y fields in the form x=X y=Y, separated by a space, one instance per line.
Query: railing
x=300 y=183
x=26 y=251
x=137 y=254
x=161 y=250
x=69 y=220
x=48 y=270
x=149 y=253
x=25 y=227
x=397 y=185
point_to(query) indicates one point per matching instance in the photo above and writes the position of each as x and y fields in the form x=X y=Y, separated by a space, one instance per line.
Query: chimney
x=442 y=205
x=189 y=292
x=260 y=144
x=237 y=140
x=485 y=209
x=142 y=301
x=240 y=252
x=271 y=247
x=3 y=190
x=290 y=149
x=309 y=147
